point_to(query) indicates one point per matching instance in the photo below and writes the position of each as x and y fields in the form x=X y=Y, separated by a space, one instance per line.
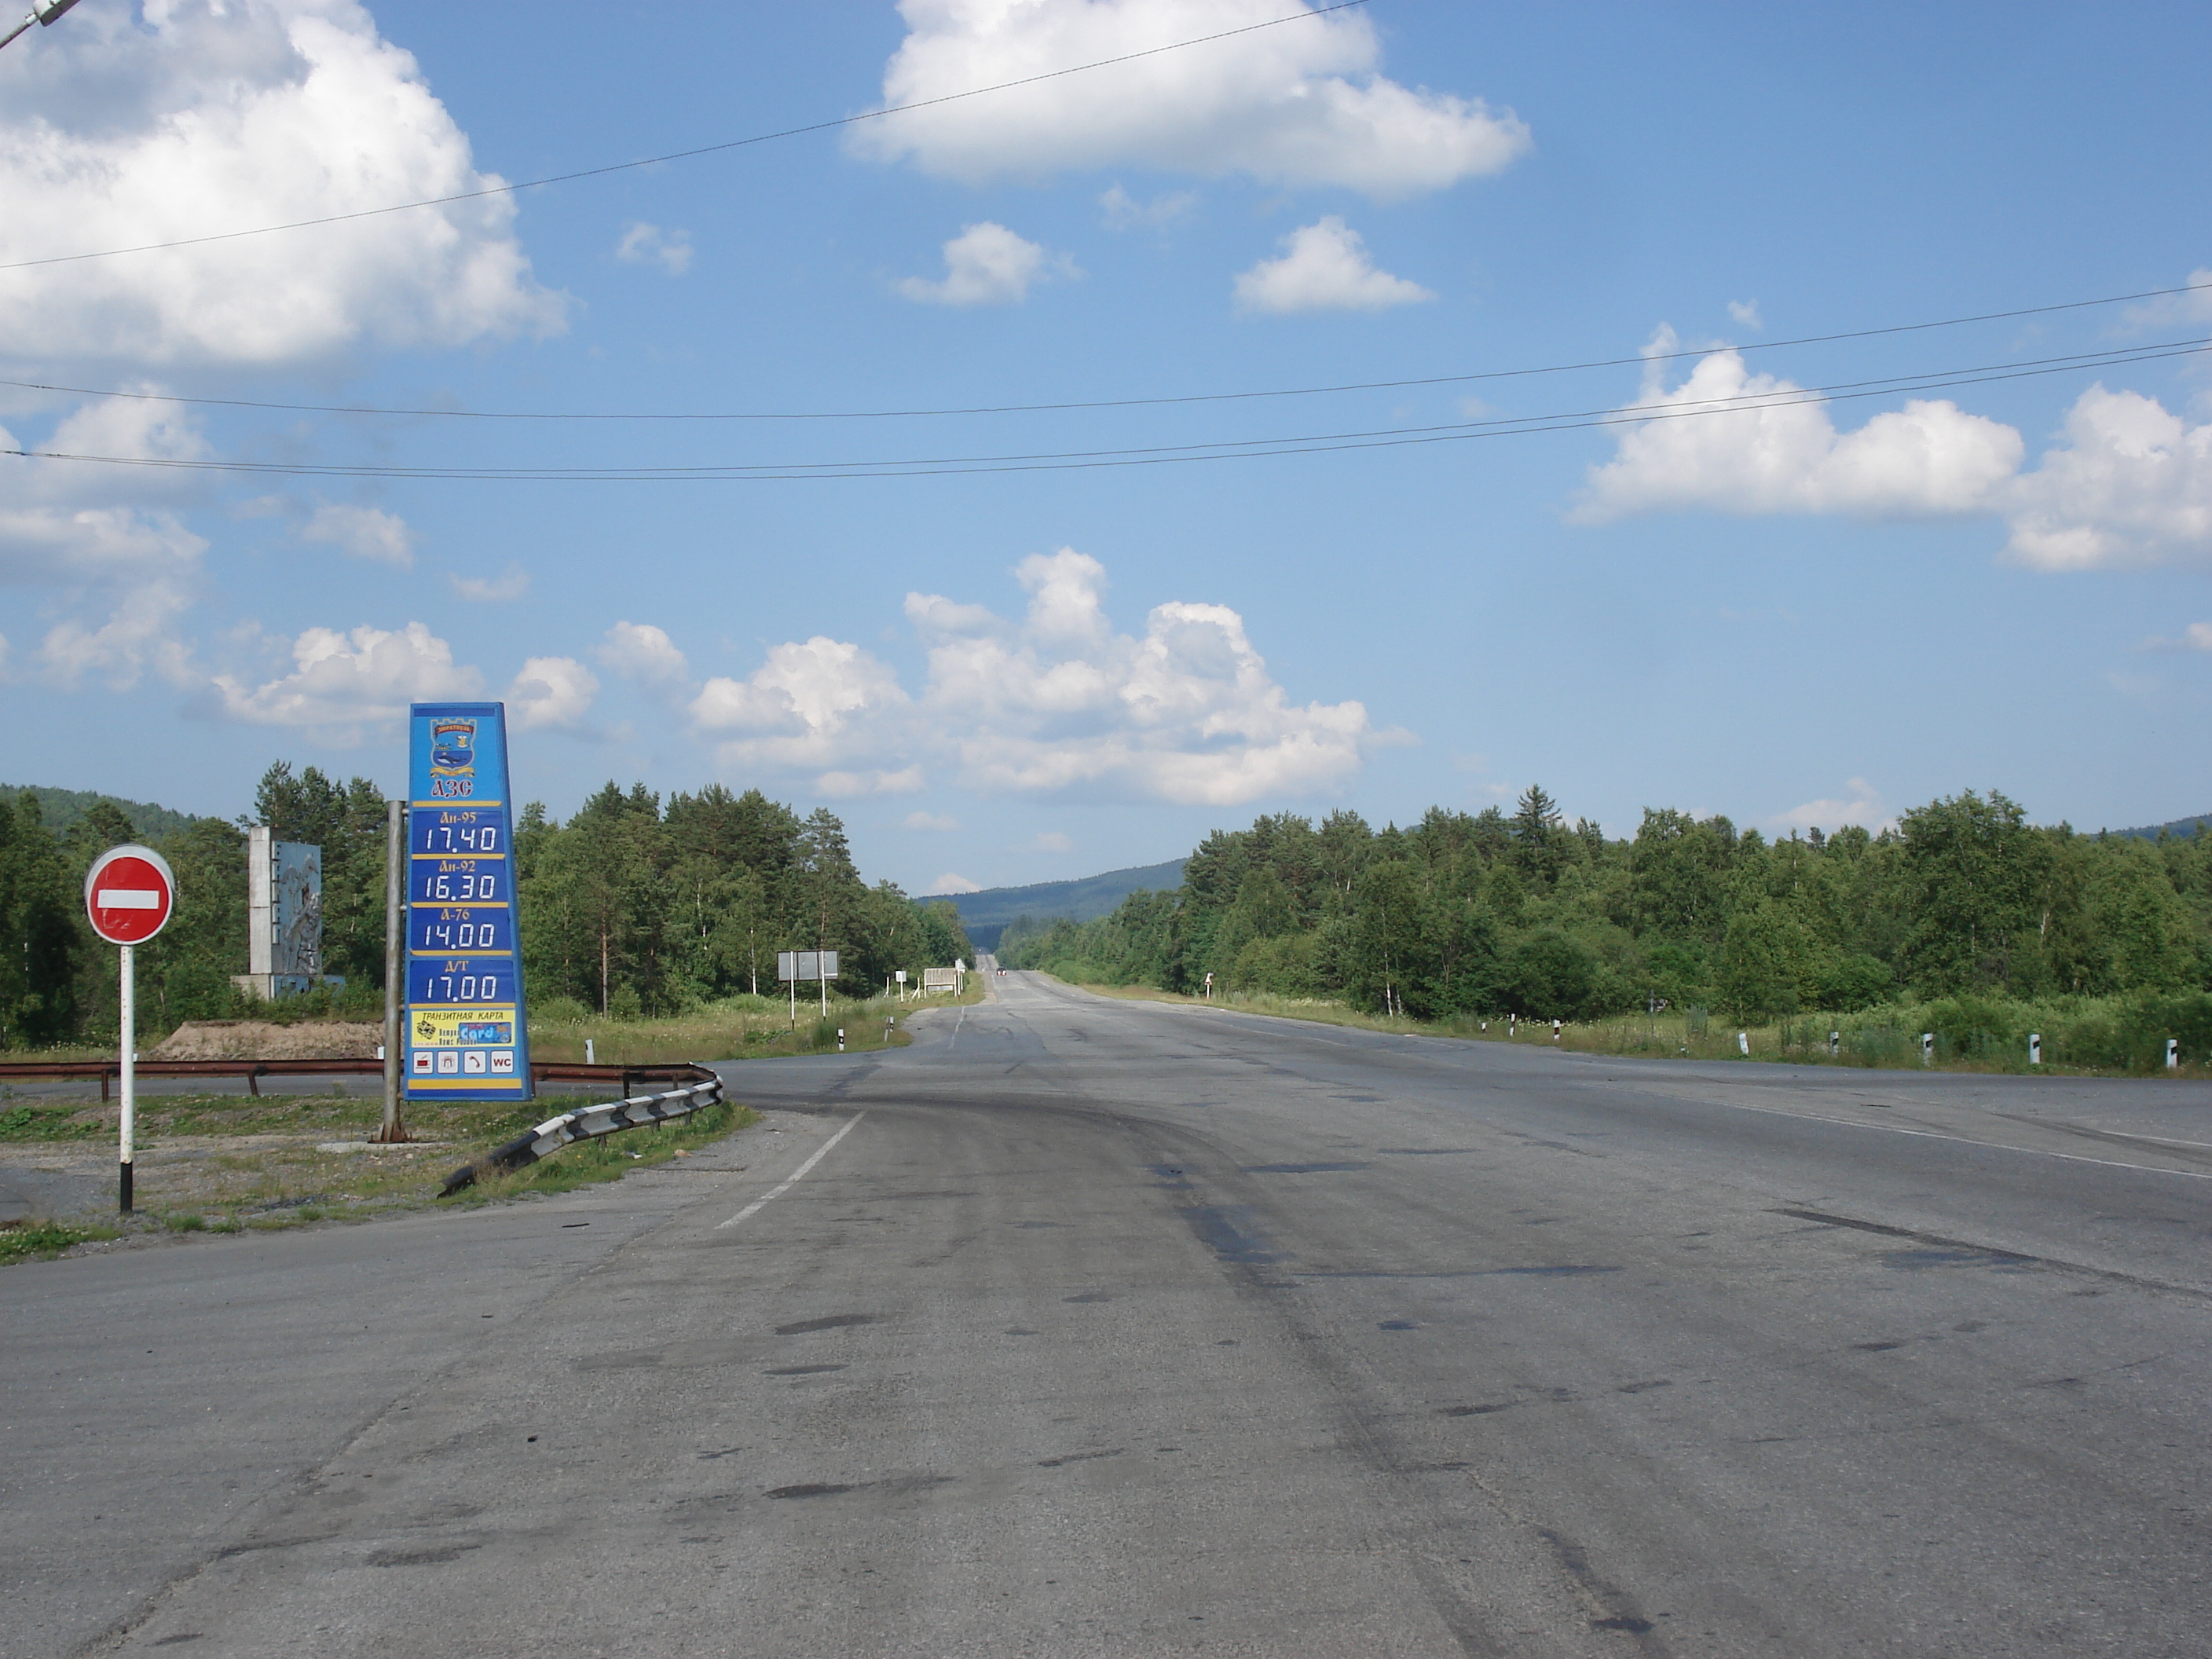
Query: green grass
x=2078 y=1034
x=740 y=1028
x=281 y=1180
x=45 y=1240
x=609 y=1157
x=46 y=1123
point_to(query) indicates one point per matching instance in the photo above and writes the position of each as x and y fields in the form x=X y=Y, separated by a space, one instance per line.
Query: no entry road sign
x=129 y=893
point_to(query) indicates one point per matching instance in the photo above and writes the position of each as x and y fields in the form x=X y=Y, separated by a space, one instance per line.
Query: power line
x=1636 y=413
x=1121 y=402
x=683 y=155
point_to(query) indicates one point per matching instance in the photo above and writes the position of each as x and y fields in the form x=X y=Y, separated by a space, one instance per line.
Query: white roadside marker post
x=129 y=893
x=2035 y=1048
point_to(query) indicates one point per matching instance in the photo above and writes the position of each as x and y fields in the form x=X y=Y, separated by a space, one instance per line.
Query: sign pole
x=129 y=893
x=395 y=968
x=130 y=1066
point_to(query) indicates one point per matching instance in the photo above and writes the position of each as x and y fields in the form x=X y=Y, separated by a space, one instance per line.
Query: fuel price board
x=467 y=1035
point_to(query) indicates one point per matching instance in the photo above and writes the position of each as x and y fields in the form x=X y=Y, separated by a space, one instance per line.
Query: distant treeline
x=626 y=909
x=1491 y=914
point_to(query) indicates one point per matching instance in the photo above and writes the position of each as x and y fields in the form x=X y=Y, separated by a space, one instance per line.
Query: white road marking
x=1963 y=1140
x=796 y=1175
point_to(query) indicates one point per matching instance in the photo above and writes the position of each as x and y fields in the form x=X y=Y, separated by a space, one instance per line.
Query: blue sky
x=1796 y=612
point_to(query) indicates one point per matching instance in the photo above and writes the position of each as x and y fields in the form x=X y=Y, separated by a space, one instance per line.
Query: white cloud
x=949 y=884
x=493 y=590
x=1062 y=705
x=937 y=821
x=133 y=630
x=2131 y=486
x=820 y=705
x=1056 y=703
x=1124 y=212
x=645 y=654
x=1860 y=804
x=366 y=532
x=552 y=692
x=1324 y=267
x=2194 y=307
x=987 y=264
x=119 y=567
x=1745 y=313
x=669 y=249
x=342 y=680
x=1928 y=458
x=2197 y=636
x=123 y=130
x=843 y=786
x=1298 y=104
x=1052 y=841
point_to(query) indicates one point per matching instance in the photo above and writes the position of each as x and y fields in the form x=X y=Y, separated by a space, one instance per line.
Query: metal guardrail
x=585 y=1124
x=622 y=1078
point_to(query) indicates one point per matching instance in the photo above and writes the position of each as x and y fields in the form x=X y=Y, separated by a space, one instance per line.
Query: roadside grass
x=1888 y=1041
x=225 y=1163
x=42 y=1241
x=738 y=1028
x=609 y=1159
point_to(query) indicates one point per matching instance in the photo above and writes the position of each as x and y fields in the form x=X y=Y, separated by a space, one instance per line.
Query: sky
x=987 y=470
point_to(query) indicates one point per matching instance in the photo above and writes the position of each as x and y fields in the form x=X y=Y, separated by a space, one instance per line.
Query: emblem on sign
x=452 y=759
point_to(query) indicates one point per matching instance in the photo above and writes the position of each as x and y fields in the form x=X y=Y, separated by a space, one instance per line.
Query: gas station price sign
x=467 y=1038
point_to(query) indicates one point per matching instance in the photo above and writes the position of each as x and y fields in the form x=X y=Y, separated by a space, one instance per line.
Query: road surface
x=1088 y=1326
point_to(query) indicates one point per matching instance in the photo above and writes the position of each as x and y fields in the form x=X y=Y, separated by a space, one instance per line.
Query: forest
x=631 y=907
x=1964 y=904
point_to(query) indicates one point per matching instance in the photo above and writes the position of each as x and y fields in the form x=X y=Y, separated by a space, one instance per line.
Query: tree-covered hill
x=63 y=810
x=1526 y=914
x=987 y=913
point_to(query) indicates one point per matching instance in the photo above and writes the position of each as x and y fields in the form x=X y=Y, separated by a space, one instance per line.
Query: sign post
x=467 y=1037
x=129 y=893
x=793 y=966
x=392 y=1130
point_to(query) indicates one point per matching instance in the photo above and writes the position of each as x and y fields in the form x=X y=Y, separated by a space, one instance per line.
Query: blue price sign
x=467 y=1038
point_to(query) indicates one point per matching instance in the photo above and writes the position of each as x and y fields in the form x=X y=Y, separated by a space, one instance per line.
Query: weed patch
x=43 y=1241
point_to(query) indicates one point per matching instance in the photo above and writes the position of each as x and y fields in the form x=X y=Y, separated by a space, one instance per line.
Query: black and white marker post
x=129 y=893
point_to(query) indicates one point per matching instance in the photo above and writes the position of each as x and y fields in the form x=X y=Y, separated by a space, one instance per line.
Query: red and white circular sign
x=129 y=893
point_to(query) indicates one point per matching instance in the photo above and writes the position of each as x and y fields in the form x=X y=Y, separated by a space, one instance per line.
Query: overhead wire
x=1153 y=455
x=685 y=155
x=1169 y=400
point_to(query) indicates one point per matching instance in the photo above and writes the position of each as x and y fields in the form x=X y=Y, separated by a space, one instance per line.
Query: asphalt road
x=1096 y=1327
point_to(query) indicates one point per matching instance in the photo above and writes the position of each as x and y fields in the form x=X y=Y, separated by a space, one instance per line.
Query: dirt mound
x=258 y=1039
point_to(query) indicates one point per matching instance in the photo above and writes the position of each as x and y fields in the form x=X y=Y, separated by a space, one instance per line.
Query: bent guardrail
x=585 y=1124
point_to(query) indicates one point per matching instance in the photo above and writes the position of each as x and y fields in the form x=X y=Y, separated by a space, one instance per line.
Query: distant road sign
x=129 y=893
x=797 y=965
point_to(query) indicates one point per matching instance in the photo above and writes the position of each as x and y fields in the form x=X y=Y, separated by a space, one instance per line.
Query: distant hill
x=2179 y=826
x=986 y=913
x=58 y=809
